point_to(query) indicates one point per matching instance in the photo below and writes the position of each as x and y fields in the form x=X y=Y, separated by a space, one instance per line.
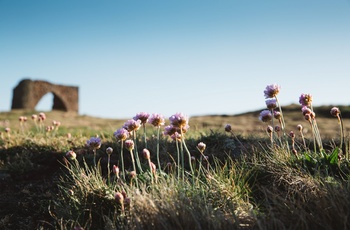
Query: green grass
x=247 y=183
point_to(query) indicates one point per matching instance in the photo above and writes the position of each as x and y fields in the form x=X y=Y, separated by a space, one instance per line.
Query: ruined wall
x=27 y=94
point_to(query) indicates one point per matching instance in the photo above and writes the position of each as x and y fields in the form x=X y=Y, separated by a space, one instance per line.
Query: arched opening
x=50 y=101
x=58 y=104
x=45 y=103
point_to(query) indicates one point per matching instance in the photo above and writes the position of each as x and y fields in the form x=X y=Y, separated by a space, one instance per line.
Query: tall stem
x=158 y=161
x=178 y=159
x=136 y=153
x=144 y=135
x=122 y=159
x=94 y=150
x=134 y=167
x=108 y=169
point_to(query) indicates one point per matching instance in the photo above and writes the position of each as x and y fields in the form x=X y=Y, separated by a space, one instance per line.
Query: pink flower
x=306 y=110
x=272 y=90
x=269 y=129
x=153 y=167
x=300 y=127
x=116 y=170
x=277 y=128
x=142 y=116
x=201 y=146
x=121 y=134
x=265 y=116
x=228 y=128
x=156 y=120
x=176 y=136
x=42 y=116
x=179 y=120
x=305 y=99
x=94 y=142
x=34 y=117
x=129 y=145
x=132 y=125
x=335 y=112
x=119 y=198
x=277 y=115
x=170 y=130
x=291 y=134
x=146 y=154
x=71 y=155
x=271 y=103
x=109 y=150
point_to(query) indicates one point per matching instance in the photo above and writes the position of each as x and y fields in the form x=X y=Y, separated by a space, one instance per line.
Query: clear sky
x=198 y=57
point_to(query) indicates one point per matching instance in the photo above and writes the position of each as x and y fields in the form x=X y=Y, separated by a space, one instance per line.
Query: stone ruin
x=27 y=94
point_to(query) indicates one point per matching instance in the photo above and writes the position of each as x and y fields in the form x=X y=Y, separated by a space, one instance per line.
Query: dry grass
x=250 y=185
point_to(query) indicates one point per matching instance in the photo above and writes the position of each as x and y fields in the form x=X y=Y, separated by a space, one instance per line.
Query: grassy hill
x=243 y=124
x=240 y=180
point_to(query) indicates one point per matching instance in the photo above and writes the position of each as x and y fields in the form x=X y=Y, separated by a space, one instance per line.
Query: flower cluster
x=94 y=142
x=178 y=126
x=271 y=91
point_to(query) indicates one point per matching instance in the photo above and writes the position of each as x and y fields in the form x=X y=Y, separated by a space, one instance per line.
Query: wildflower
x=335 y=112
x=179 y=120
x=300 y=127
x=306 y=110
x=116 y=170
x=265 y=116
x=119 y=198
x=153 y=167
x=21 y=119
x=49 y=128
x=277 y=128
x=305 y=99
x=271 y=103
x=121 y=134
x=291 y=134
x=142 y=116
x=169 y=130
x=269 y=129
x=94 y=142
x=132 y=125
x=34 y=117
x=156 y=120
x=307 y=117
x=109 y=150
x=272 y=90
x=71 y=155
x=42 y=116
x=132 y=174
x=146 y=154
x=176 y=136
x=228 y=128
x=56 y=123
x=201 y=146
x=129 y=145
x=7 y=130
x=277 y=115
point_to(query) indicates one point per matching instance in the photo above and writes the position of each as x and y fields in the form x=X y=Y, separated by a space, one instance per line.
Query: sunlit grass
x=189 y=178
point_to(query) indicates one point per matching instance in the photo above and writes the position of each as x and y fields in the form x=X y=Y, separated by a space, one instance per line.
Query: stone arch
x=27 y=94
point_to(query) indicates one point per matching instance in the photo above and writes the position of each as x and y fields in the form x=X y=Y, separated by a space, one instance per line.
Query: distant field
x=242 y=124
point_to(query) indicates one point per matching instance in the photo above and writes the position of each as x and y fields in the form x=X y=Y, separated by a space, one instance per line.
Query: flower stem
x=158 y=161
x=122 y=159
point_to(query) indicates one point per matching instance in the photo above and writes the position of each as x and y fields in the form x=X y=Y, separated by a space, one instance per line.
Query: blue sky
x=165 y=56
